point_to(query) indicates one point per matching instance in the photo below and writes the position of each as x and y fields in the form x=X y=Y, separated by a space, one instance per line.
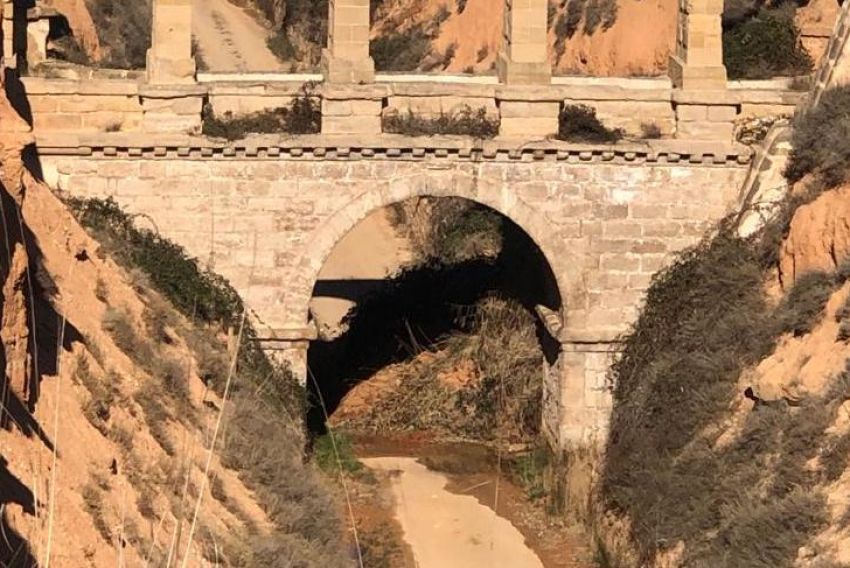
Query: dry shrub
x=650 y=131
x=448 y=230
x=578 y=123
x=835 y=457
x=599 y=14
x=402 y=50
x=95 y=507
x=102 y=395
x=124 y=29
x=803 y=307
x=502 y=402
x=464 y=122
x=821 y=140
x=266 y=450
x=302 y=116
x=765 y=44
x=301 y=29
x=752 y=503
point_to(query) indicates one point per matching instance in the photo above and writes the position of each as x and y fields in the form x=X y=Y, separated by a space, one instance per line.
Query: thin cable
x=339 y=469
x=224 y=399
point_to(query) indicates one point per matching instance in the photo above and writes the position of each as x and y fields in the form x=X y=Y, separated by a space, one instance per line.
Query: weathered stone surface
x=524 y=58
x=170 y=59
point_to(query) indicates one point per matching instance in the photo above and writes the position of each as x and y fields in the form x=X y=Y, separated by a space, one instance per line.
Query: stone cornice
x=391 y=147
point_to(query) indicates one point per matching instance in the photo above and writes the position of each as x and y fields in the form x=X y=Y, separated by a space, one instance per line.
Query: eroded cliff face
x=81 y=22
x=106 y=425
x=819 y=237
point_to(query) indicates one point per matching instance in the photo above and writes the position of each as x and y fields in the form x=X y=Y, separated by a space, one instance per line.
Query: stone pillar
x=352 y=109
x=698 y=61
x=346 y=59
x=8 y=22
x=37 y=31
x=524 y=56
x=170 y=57
x=585 y=397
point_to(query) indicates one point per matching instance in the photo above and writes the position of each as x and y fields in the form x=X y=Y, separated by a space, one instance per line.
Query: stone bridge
x=266 y=212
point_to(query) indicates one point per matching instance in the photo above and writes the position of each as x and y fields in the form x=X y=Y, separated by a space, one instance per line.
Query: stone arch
x=558 y=374
x=497 y=196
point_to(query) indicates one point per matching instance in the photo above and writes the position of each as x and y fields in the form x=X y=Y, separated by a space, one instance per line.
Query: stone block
x=176 y=105
x=523 y=73
x=171 y=123
x=337 y=69
x=691 y=112
x=351 y=125
x=50 y=121
x=705 y=130
x=528 y=127
x=691 y=76
x=722 y=113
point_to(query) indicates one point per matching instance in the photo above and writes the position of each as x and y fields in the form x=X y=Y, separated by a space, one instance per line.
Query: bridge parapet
x=527 y=111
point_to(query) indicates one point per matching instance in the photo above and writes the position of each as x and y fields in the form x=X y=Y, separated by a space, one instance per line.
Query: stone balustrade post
x=346 y=58
x=8 y=22
x=170 y=59
x=703 y=109
x=698 y=61
x=524 y=57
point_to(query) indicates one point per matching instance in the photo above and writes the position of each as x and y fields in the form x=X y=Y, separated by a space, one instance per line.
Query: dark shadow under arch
x=419 y=307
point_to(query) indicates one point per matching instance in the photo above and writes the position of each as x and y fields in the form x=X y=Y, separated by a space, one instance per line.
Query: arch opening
x=455 y=313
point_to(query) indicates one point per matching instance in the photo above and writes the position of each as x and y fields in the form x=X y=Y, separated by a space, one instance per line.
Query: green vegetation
x=578 y=123
x=334 y=454
x=821 y=140
x=765 y=44
x=302 y=116
x=464 y=122
x=529 y=471
x=124 y=29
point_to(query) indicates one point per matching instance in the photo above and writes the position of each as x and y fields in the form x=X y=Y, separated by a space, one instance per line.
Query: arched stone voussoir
x=322 y=240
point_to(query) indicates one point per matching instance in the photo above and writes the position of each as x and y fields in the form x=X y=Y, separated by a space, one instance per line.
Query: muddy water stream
x=450 y=509
x=445 y=530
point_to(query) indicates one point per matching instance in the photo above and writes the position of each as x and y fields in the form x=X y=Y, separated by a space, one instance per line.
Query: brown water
x=451 y=507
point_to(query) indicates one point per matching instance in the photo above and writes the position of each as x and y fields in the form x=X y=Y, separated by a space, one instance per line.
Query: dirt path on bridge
x=229 y=39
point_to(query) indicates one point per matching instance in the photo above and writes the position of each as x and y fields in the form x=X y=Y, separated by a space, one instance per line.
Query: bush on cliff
x=124 y=29
x=763 y=45
x=753 y=502
x=821 y=140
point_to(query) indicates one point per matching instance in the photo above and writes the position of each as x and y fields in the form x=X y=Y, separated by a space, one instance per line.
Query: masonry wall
x=605 y=223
